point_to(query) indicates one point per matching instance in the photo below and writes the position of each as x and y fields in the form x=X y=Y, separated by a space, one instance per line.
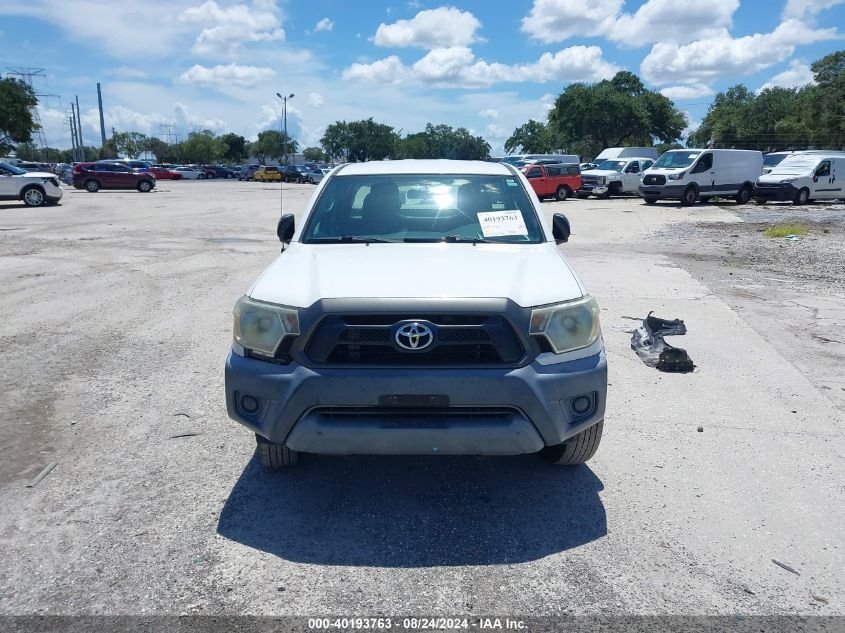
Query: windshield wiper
x=350 y=239
x=446 y=238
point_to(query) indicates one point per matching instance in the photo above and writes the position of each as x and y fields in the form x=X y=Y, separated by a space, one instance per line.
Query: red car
x=162 y=173
x=101 y=175
x=560 y=181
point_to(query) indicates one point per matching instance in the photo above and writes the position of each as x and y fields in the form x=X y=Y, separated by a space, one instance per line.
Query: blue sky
x=488 y=66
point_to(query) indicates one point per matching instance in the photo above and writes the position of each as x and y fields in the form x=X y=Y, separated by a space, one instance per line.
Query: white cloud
x=389 y=70
x=801 y=8
x=489 y=113
x=722 y=55
x=798 y=74
x=230 y=74
x=494 y=130
x=324 y=25
x=315 y=100
x=189 y=119
x=434 y=28
x=688 y=92
x=456 y=66
x=656 y=20
x=225 y=29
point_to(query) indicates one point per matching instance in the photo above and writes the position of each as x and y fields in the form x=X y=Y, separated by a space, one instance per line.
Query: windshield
x=612 y=165
x=423 y=208
x=795 y=165
x=773 y=159
x=677 y=159
x=12 y=169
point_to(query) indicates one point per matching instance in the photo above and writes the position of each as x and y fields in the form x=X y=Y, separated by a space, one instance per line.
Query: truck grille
x=458 y=340
x=654 y=179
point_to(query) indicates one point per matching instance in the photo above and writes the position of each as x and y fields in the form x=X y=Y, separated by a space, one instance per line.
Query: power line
x=26 y=75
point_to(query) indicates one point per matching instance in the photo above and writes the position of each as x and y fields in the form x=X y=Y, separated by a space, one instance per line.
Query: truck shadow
x=414 y=511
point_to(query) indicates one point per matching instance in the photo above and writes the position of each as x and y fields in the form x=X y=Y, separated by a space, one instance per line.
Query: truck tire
x=744 y=195
x=689 y=196
x=273 y=455
x=33 y=196
x=562 y=193
x=578 y=449
x=802 y=196
x=650 y=199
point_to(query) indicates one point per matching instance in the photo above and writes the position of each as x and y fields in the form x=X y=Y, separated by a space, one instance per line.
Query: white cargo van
x=612 y=153
x=803 y=177
x=700 y=174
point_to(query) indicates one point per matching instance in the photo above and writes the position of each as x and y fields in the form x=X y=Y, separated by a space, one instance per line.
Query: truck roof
x=412 y=166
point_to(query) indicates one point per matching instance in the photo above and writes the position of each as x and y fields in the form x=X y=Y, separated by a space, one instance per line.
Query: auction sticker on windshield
x=501 y=223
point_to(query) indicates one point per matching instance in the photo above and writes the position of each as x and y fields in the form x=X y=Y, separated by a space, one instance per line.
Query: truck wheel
x=273 y=455
x=615 y=189
x=688 y=197
x=650 y=199
x=562 y=193
x=33 y=196
x=802 y=196
x=92 y=185
x=744 y=195
x=578 y=449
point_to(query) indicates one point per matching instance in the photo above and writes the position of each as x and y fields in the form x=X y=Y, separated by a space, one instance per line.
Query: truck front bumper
x=403 y=411
x=781 y=192
x=594 y=189
x=663 y=192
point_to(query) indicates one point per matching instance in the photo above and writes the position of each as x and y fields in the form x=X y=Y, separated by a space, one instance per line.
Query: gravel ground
x=115 y=321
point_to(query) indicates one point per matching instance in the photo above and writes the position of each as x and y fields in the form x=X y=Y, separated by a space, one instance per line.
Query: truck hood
x=528 y=274
x=600 y=172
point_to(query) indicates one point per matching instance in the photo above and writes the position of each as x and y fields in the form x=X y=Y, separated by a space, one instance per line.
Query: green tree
x=443 y=141
x=313 y=154
x=615 y=112
x=130 y=144
x=202 y=147
x=27 y=151
x=16 y=102
x=413 y=146
x=275 y=145
x=358 y=141
x=826 y=101
x=235 y=147
x=533 y=137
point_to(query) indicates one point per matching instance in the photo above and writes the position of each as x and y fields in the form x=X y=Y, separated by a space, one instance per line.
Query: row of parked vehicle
x=691 y=175
x=310 y=172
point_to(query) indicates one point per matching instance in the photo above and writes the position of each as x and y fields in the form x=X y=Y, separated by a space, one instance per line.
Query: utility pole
x=79 y=129
x=74 y=131
x=102 y=120
x=72 y=125
x=285 y=120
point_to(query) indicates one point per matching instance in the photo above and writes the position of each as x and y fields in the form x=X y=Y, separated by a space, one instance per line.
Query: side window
x=647 y=164
x=633 y=168
x=553 y=171
x=823 y=169
x=102 y=167
x=705 y=163
x=573 y=170
x=534 y=172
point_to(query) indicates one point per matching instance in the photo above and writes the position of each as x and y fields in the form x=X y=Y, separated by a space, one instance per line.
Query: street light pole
x=285 y=120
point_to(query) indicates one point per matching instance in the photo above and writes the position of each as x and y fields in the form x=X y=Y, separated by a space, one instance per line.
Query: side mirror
x=285 y=229
x=560 y=228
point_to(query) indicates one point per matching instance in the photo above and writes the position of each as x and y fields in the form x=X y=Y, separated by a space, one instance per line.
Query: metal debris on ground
x=42 y=474
x=647 y=341
x=189 y=434
x=786 y=567
x=792 y=237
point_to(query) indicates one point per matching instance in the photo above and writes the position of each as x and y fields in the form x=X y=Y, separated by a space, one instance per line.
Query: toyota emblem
x=414 y=336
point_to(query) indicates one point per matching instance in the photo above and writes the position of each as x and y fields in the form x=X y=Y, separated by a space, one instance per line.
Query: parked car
x=104 y=175
x=218 y=171
x=315 y=175
x=35 y=167
x=32 y=188
x=295 y=173
x=334 y=352
x=190 y=173
x=804 y=177
x=560 y=181
x=614 y=177
x=699 y=174
x=163 y=173
x=267 y=173
x=249 y=171
x=611 y=153
x=138 y=165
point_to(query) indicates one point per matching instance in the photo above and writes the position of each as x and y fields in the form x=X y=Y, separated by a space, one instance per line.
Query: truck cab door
x=631 y=176
x=537 y=177
x=703 y=174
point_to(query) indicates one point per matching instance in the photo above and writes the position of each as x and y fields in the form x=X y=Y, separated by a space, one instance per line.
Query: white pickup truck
x=421 y=307
x=614 y=177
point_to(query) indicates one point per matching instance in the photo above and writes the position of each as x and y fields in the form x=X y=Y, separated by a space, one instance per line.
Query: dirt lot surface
x=115 y=321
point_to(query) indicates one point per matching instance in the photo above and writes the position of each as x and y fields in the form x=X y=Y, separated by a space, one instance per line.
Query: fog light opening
x=581 y=405
x=250 y=404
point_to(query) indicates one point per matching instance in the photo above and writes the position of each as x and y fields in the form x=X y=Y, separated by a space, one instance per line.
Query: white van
x=804 y=177
x=612 y=153
x=700 y=174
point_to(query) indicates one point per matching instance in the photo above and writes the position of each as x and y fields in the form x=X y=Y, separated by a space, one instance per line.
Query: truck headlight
x=568 y=326
x=260 y=327
x=601 y=180
x=676 y=176
x=786 y=181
